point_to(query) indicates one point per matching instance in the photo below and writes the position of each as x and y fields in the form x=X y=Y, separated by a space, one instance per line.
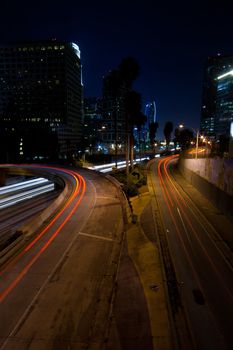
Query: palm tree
x=134 y=117
x=129 y=70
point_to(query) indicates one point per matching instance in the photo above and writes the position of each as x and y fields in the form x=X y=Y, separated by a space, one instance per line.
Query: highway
x=204 y=277
x=14 y=216
x=56 y=292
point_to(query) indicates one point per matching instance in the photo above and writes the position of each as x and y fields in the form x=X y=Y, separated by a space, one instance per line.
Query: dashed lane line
x=95 y=236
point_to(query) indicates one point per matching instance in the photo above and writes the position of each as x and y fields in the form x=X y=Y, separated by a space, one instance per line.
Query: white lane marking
x=178 y=210
x=95 y=236
x=27 y=310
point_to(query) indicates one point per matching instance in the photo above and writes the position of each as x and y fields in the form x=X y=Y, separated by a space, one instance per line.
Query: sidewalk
x=140 y=316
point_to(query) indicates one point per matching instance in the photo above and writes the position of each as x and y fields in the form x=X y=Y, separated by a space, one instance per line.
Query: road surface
x=56 y=294
x=204 y=275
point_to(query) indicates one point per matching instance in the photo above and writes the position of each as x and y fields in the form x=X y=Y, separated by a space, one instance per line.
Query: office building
x=224 y=103
x=93 y=127
x=40 y=100
x=113 y=112
x=151 y=117
x=217 y=97
x=150 y=113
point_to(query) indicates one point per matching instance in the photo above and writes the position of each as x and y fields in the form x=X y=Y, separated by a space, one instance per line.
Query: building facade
x=224 y=103
x=151 y=115
x=40 y=100
x=216 y=114
x=150 y=112
x=113 y=113
x=93 y=127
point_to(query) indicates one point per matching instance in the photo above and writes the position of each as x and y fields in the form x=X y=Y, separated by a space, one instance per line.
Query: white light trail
x=22 y=185
x=225 y=74
x=106 y=168
x=19 y=197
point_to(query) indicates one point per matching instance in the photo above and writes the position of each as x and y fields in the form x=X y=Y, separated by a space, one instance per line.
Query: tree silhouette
x=134 y=117
x=223 y=145
x=168 y=128
x=129 y=70
x=184 y=138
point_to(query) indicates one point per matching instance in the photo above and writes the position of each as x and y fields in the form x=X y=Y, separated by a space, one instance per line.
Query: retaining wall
x=213 y=177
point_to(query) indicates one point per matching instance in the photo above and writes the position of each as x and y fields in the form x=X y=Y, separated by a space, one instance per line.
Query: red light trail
x=75 y=199
x=172 y=198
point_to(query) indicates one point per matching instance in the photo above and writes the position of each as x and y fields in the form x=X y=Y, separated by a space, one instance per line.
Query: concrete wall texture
x=218 y=171
x=213 y=177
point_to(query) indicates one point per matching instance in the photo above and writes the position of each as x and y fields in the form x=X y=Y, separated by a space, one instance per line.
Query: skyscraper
x=40 y=99
x=113 y=111
x=93 y=125
x=224 y=103
x=151 y=115
x=217 y=96
x=150 y=112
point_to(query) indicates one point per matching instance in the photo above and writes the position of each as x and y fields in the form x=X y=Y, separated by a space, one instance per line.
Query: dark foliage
x=152 y=131
x=168 y=128
x=183 y=137
x=129 y=70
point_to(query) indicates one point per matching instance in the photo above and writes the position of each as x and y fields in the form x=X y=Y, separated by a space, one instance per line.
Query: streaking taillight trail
x=176 y=203
x=73 y=202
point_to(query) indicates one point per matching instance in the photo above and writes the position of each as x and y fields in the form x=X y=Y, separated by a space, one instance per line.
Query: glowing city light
x=225 y=74
x=76 y=49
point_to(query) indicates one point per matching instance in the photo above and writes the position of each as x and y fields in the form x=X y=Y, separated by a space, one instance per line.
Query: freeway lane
x=12 y=218
x=56 y=293
x=204 y=275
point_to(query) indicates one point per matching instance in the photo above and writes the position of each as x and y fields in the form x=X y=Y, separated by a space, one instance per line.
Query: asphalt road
x=204 y=275
x=13 y=217
x=56 y=293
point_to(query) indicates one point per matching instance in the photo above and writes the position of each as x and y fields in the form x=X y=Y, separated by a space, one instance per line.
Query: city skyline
x=171 y=44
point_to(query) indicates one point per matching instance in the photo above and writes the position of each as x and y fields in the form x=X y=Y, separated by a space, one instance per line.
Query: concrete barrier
x=219 y=198
x=28 y=230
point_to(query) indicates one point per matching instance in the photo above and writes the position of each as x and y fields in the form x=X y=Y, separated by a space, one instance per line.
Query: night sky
x=170 y=40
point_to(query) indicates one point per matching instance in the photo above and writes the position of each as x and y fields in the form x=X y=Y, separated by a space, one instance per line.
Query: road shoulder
x=140 y=315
